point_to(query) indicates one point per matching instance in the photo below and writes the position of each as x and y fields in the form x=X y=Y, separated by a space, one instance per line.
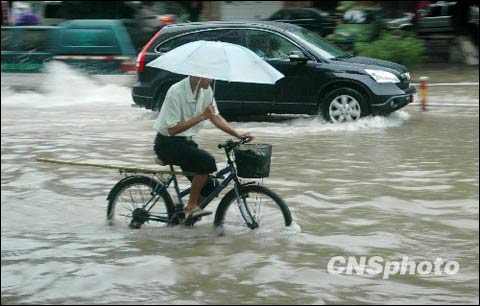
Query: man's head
x=274 y=44
x=202 y=82
x=261 y=42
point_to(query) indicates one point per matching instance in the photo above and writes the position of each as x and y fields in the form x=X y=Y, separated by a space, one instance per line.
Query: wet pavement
x=445 y=73
x=404 y=185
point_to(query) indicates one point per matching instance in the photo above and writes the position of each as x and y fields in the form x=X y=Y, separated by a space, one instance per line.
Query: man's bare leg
x=197 y=185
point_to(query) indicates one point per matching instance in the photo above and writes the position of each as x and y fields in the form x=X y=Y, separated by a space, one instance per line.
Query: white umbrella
x=219 y=61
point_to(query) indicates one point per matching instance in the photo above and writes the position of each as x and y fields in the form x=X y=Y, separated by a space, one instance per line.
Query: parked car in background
x=359 y=25
x=435 y=18
x=95 y=46
x=401 y=23
x=26 y=48
x=139 y=17
x=315 y=20
x=319 y=77
x=434 y=25
x=51 y=13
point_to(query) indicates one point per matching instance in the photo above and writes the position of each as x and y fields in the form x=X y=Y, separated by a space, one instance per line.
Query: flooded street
x=402 y=186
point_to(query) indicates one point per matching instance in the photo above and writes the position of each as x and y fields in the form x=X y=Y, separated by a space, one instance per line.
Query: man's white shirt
x=180 y=106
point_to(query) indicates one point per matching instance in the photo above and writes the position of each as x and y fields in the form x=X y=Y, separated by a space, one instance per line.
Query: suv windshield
x=320 y=45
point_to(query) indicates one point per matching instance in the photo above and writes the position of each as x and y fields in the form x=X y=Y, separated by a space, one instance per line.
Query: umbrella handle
x=213 y=91
x=196 y=91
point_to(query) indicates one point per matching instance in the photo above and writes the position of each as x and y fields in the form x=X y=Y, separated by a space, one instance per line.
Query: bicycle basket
x=253 y=160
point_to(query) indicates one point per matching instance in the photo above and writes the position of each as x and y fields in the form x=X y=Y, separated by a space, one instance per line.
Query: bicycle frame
x=230 y=168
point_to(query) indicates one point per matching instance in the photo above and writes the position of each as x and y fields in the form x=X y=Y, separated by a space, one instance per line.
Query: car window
x=229 y=35
x=27 y=39
x=88 y=38
x=7 y=40
x=320 y=45
x=53 y=11
x=175 y=42
x=35 y=40
x=451 y=9
x=269 y=45
x=441 y=9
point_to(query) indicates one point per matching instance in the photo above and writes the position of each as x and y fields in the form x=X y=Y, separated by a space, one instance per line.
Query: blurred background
x=402 y=185
x=113 y=32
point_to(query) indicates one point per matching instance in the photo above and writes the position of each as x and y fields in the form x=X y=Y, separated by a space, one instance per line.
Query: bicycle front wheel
x=258 y=207
x=128 y=198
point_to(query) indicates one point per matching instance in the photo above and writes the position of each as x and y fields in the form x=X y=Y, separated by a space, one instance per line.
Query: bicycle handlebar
x=230 y=144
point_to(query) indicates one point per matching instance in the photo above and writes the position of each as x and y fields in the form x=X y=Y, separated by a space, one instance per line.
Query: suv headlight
x=382 y=76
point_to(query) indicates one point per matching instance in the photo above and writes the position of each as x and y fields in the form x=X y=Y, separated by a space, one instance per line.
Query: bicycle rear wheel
x=259 y=207
x=127 y=199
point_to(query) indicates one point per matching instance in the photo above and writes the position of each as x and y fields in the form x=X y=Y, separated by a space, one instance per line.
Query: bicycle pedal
x=191 y=221
x=188 y=223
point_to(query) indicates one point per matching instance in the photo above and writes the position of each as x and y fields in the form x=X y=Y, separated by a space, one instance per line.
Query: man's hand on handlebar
x=247 y=135
x=230 y=144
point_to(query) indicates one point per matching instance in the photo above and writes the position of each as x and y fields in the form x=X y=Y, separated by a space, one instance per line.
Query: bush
x=406 y=49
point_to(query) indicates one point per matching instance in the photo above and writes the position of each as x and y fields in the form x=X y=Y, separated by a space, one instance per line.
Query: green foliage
x=403 y=49
x=345 y=5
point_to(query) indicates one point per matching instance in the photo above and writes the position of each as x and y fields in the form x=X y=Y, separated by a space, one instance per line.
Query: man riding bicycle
x=187 y=105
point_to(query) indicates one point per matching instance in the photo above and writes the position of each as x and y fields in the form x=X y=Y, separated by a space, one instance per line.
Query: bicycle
x=141 y=199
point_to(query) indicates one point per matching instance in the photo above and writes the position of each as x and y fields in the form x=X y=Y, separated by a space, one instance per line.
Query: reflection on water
x=406 y=185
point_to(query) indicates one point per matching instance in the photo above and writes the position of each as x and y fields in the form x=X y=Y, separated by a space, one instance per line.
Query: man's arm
x=222 y=124
x=183 y=126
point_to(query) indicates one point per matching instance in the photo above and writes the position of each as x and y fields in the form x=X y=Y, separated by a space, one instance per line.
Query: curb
x=450 y=84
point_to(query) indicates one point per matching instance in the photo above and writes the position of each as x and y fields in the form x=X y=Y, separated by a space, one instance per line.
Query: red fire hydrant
x=423 y=92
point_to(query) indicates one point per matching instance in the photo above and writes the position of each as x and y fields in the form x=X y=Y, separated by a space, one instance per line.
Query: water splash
x=62 y=85
x=317 y=125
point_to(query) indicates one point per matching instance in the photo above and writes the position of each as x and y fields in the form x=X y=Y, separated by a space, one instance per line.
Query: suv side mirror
x=297 y=56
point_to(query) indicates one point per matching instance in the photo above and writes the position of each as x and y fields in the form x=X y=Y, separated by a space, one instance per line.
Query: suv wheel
x=344 y=105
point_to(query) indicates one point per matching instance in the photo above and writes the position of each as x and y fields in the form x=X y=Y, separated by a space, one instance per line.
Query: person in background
x=23 y=14
x=261 y=46
x=275 y=51
x=268 y=48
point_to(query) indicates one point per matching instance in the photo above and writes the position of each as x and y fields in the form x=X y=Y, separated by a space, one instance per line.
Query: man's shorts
x=177 y=150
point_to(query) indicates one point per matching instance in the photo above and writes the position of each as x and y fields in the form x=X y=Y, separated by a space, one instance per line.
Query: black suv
x=319 y=77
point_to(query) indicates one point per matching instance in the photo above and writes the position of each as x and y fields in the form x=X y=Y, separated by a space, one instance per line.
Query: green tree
x=405 y=49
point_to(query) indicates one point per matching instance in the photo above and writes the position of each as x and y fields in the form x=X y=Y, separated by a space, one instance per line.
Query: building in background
x=248 y=10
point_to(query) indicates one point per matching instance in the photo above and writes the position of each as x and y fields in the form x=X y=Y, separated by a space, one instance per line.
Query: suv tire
x=343 y=105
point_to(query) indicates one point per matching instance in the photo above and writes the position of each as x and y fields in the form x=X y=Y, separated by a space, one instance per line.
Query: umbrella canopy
x=219 y=61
